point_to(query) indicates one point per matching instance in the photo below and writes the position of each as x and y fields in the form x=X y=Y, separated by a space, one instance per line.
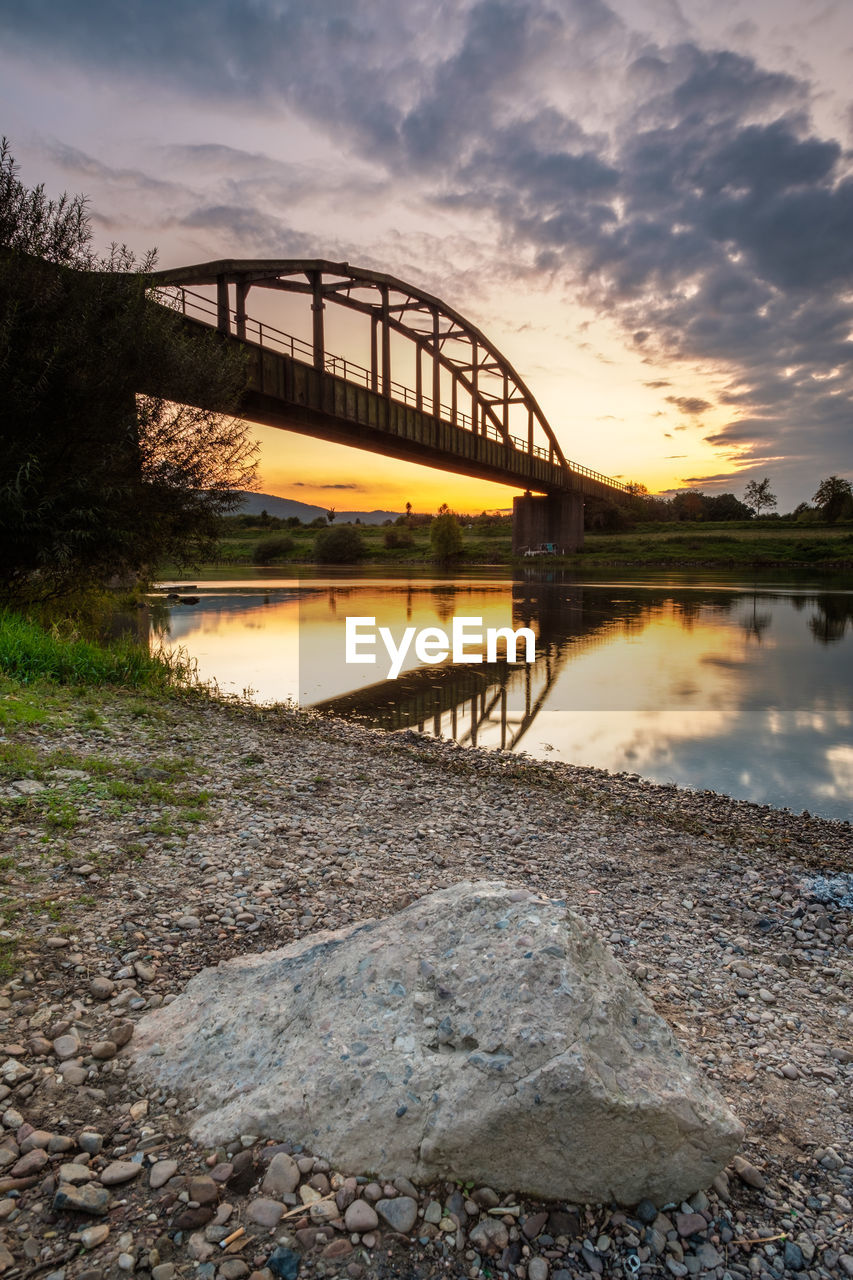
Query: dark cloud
x=304 y=484
x=702 y=212
x=693 y=405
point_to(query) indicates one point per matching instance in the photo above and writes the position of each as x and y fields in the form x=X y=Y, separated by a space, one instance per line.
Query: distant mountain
x=253 y=504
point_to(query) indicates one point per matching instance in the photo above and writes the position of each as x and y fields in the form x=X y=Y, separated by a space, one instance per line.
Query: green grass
x=725 y=543
x=30 y=653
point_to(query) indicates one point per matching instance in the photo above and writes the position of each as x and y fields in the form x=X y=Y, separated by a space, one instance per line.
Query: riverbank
x=147 y=835
x=725 y=545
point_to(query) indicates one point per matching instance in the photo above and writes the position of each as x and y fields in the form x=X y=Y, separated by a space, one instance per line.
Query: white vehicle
x=544 y=549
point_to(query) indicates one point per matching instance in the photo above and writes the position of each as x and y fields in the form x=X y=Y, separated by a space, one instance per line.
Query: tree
x=834 y=497
x=445 y=536
x=757 y=495
x=343 y=545
x=330 y=515
x=98 y=481
x=408 y=512
x=725 y=506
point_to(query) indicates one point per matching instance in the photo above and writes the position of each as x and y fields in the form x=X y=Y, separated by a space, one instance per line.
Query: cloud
x=690 y=404
x=680 y=191
x=305 y=484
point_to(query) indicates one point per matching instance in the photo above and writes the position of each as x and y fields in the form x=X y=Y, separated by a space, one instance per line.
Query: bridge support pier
x=555 y=517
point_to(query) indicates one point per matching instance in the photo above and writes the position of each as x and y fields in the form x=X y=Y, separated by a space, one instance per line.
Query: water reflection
x=736 y=690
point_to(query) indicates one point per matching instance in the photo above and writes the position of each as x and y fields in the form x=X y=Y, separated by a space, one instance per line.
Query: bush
x=341 y=545
x=394 y=538
x=271 y=550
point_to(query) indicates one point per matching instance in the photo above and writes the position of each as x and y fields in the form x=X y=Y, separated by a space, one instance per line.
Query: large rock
x=484 y=1033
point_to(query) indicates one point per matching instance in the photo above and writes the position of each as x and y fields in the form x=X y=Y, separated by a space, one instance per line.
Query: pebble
x=361 y=1217
x=161 y=1172
x=345 y=851
x=91 y=1237
x=120 y=1171
x=267 y=1213
x=101 y=988
x=67 y=1046
x=282 y=1176
x=86 y=1199
x=401 y=1213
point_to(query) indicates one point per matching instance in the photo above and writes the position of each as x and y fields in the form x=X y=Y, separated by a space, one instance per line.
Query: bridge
x=468 y=411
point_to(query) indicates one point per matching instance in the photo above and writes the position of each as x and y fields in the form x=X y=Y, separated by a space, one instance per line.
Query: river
x=713 y=684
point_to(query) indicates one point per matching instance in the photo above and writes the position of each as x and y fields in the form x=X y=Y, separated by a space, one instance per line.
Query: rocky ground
x=142 y=841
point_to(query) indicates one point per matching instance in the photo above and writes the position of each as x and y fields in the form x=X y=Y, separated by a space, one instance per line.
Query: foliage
x=396 y=538
x=341 y=545
x=30 y=652
x=604 y=515
x=269 y=550
x=834 y=497
x=757 y=495
x=445 y=536
x=98 y=481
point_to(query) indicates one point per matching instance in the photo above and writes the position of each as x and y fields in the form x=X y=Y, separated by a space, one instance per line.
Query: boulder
x=483 y=1034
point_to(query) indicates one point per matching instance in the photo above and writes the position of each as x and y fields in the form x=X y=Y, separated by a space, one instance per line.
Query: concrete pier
x=555 y=518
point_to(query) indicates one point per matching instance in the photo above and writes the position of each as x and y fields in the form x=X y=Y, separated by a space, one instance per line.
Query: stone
x=489 y=1235
x=161 y=1172
x=120 y=1171
x=233 y=1269
x=120 y=1033
x=90 y=1141
x=101 y=988
x=267 y=1213
x=87 y=1199
x=687 y=1224
x=163 y=1271
x=537 y=1269
x=361 y=1216
x=38 y=1138
x=748 y=1173
x=282 y=1176
x=91 y=1237
x=646 y=1212
x=104 y=1049
x=401 y=1213
x=284 y=1263
x=75 y=1174
x=203 y=1190
x=67 y=1046
x=579 y=1092
x=33 y=1162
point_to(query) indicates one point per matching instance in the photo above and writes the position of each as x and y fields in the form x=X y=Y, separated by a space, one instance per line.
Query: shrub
x=272 y=550
x=395 y=538
x=341 y=545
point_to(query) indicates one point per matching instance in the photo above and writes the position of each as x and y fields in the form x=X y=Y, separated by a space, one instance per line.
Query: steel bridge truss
x=481 y=379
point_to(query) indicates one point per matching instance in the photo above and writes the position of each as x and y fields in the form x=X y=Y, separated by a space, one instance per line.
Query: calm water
x=735 y=688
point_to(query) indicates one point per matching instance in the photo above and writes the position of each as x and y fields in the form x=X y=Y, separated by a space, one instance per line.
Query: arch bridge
x=457 y=403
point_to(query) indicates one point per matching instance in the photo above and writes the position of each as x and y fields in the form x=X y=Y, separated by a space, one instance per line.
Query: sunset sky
x=647 y=205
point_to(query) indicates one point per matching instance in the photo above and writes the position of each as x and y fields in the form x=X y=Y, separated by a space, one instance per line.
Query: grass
x=30 y=653
x=52 y=680
x=767 y=542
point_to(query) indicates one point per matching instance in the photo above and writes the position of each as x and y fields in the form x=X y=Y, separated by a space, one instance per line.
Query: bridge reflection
x=489 y=704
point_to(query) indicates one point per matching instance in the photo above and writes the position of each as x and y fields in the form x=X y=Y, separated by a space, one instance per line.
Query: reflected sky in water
x=734 y=689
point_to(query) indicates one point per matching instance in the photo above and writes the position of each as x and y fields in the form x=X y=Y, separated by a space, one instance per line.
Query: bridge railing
x=197 y=306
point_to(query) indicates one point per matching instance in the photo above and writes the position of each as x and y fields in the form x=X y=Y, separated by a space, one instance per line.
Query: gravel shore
x=142 y=843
